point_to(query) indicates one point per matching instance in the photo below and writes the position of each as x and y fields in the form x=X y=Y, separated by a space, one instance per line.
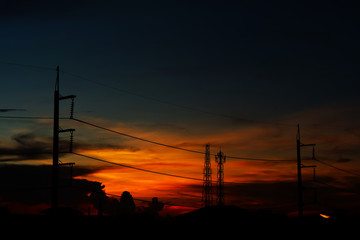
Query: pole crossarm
x=67 y=97
x=66 y=130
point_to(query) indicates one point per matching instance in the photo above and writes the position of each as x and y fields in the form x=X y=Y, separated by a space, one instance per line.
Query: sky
x=238 y=75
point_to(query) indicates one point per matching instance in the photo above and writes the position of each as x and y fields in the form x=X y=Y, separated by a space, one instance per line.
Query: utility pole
x=299 y=167
x=220 y=159
x=55 y=167
x=207 y=196
x=300 y=197
x=56 y=131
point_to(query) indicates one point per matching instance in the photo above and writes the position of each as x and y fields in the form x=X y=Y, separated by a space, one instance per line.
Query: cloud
x=160 y=126
x=81 y=145
x=343 y=160
x=27 y=147
x=11 y=110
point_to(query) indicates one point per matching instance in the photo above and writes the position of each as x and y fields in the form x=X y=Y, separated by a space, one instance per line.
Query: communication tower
x=220 y=159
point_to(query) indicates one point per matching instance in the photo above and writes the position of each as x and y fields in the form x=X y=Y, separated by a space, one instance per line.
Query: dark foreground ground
x=210 y=222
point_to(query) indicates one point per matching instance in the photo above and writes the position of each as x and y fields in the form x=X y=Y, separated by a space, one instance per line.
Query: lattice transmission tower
x=220 y=160
x=207 y=195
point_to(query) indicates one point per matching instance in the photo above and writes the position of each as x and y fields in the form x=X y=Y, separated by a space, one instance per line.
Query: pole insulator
x=71 y=141
x=72 y=109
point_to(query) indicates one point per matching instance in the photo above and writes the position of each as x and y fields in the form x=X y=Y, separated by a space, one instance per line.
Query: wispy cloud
x=26 y=147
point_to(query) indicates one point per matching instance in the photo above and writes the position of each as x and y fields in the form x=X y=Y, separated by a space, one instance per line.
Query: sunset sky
x=234 y=75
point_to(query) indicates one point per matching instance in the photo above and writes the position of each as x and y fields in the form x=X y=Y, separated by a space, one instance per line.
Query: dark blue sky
x=255 y=60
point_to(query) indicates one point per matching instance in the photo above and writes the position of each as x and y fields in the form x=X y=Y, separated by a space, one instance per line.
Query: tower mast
x=207 y=183
x=220 y=160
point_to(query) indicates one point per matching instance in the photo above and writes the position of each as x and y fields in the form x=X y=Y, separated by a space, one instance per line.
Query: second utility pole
x=299 y=166
x=300 y=197
x=55 y=167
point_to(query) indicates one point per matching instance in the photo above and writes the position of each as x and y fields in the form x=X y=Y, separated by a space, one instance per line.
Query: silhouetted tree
x=99 y=198
x=155 y=206
x=127 y=204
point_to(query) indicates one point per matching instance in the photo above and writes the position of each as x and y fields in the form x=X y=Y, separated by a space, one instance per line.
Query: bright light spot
x=324 y=216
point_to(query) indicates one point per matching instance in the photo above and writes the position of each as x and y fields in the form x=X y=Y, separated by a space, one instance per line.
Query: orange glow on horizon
x=271 y=142
x=147 y=185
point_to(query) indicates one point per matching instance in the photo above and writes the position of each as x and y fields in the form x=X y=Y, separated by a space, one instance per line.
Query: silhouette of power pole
x=220 y=160
x=56 y=131
x=207 y=196
x=299 y=167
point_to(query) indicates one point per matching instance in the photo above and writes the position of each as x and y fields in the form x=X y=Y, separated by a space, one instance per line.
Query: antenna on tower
x=207 y=197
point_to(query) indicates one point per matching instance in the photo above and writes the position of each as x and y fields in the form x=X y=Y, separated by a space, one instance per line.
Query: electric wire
x=337 y=168
x=155 y=99
x=150 y=141
x=137 y=138
x=236 y=119
x=30 y=117
x=171 y=146
x=137 y=168
x=144 y=140
x=146 y=97
x=260 y=159
x=28 y=65
x=144 y=170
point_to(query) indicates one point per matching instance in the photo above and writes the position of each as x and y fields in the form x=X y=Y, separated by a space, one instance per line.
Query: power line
x=137 y=138
x=136 y=168
x=183 y=149
x=260 y=159
x=28 y=65
x=142 y=139
x=171 y=146
x=146 y=97
x=151 y=98
x=237 y=119
x=337 y=168
x=337 y=188
x=142 y=169
x=30 y=117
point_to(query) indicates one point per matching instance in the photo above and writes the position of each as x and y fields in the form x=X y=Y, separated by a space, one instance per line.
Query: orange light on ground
x=324 y=216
